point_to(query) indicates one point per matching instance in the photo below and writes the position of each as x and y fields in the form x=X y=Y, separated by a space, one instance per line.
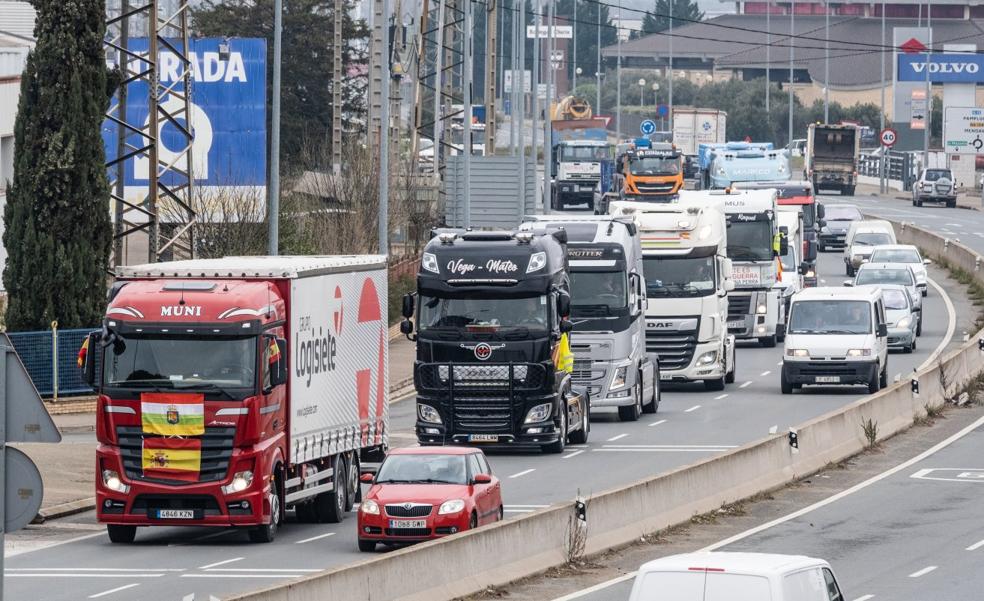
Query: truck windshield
x=595 y=293
x=583 y=153
x=830 y=317
x=750 y=241
x=483 y=314
x=654 y=166
x=679 y=276
x=180 y=362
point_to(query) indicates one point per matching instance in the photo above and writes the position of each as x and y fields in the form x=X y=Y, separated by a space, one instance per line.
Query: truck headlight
x=111 y=480
x=618 y=378
x=761 y=309
x=859 y=352
x=811 y=274
x=905 y=322
x=537 y=414
x=707 y=358
x=240 y=482
x=797 y=352
x=451 y=507
x=369 y=507
x=428 y=414
x=429 y=263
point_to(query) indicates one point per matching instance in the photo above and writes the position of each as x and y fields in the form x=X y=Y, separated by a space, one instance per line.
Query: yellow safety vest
x=562 y=356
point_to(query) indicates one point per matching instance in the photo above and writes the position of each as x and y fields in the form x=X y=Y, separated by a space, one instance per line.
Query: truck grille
x=583 y=375
x=206 y=504
x=739 y=306
x=216 y=452
x=655 y=188
x=414 y=511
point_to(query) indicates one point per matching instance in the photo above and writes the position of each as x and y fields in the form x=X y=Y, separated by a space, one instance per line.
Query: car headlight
x=429 y=263
x=537 y=414
x=369 y=507
x=905 y=322
x=859 y=352
x=240 y=482
x=761 y=309
x=797 y=352
x=858 y=256
x=707 y=358
x=111 y=480
x=428 y=414
x=618 y=378
x=452 y=506
x=537 y=261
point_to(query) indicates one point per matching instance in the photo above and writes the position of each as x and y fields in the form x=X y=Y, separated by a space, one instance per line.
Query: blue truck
x=722 y=165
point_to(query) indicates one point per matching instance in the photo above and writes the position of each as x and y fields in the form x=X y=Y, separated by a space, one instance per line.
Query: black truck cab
x=493 y=360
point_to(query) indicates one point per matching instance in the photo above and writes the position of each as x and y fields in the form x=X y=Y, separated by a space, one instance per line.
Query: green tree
x=684 y=13
x=306 y=77
x=587 y=37
x=57 y=229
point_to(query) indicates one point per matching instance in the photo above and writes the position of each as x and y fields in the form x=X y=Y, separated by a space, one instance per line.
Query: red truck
x=233 y=389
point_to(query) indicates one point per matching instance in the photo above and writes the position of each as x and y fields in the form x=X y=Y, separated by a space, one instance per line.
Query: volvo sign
x=943 y=68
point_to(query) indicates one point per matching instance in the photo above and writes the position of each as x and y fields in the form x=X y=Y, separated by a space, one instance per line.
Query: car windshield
x=654 y=166
x=180 y=362
x=483 y=314
x=422 y=469
x=841 y=213
x=583 y=153
x=872 y=238
x=750 y=241
x=895 y=299
x=596 y=293
x=830 y=317
x=896 y=255
x=934 y=174
x=876 y=275
x=679 y=277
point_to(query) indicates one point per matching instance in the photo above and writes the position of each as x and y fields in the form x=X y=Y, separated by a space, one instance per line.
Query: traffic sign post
x=888 y=137
x=647 y=127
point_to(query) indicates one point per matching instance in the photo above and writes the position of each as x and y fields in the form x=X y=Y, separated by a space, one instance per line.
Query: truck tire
x=266 y=533
x=306 y=513
x=873 y=382
x=558 y=447
x=580 y=436
x=715 y=384
x=768 y=341
x=353 y=481
x=951 y=204
x=784 y=384
x=331 y=505
x=883 y=379
x=729 y=378
x=121 y=534
x=632 y=412
x=849 y=190
x=653 y=405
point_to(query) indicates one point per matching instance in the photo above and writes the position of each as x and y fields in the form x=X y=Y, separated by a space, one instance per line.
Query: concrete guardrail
x=503 y=552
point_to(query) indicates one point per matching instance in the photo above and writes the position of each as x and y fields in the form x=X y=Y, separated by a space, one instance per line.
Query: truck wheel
x=367 y=546
x=580 y=436
x=729 y=378
x=353 y=481
x=768 y=341
x=715 y=384
x=951 y=204
x=558 y=447
x=784 y=384
x=121 y=534
x=873 y=382
x=850 y=190
x=632 y=412
x=331 y=505
x=918 y=202
x=267 y=532
x=883 y=380
x=653 y=405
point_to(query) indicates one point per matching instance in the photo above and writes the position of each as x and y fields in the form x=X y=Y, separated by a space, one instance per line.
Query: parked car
x=423 y=493
x=720 y=576
x=904 y=253
x=863 y=236
x=874 y=274
x=934 y=185
x=836 y=221
x=901 y=317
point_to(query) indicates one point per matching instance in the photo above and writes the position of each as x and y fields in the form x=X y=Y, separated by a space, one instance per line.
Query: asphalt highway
x=75 y=560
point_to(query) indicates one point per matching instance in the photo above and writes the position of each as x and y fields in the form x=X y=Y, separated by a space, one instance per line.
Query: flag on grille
x=172 y=458
x=168 y=414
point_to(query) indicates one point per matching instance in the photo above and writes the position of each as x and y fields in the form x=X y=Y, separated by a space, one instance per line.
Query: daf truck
x=231 y=390
x=608 y=303
x=688 y=280
x=493 y=365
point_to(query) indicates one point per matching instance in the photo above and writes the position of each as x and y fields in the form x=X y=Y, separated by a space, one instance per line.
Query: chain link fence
x=50 y=357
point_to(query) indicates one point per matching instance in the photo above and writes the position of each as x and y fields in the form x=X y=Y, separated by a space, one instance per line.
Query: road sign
x=663 y=110
x=647 y=127
x=888 y=137
x=559 y=31
x=963 y=130
x=917 y=119
x=507 y=81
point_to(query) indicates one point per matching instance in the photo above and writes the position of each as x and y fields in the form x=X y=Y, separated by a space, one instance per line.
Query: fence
x=50 y=358
x=899 y=167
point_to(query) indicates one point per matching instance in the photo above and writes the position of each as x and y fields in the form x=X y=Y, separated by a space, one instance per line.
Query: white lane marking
x=956 y=225
x=922 y=572
x=979 y=234
x=523 y=508
x=533 y=506
x=656 y=423
x=523 y=473
x=574 y=454
x=950 y=325
x=81 y=575
x=976 y=546
x=314 y=538
x=694 y=408
x=765 y=373
x=221 y=563
x=865 y=598
x=618 y=437
x=114 y=590
x=746 y=384
x=721 y=396
x=13 y=553
x=671 y=446
x=95 y=569
x=278 y=575
x=271 y=570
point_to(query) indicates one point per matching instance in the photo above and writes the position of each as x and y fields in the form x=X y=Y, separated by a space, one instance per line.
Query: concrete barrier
x=497 y=554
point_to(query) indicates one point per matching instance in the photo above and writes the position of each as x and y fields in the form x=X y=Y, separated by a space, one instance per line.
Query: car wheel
x=632 y=412
x=367 y=546
x=907 y=349
x=473 y=521
x=558 y=447
x=919 y=326
x=768 y=341
x=873 y=382
x=502 y=513
x=822 y=248
x=883 y=380
x=268 y=532
x=784 y=383
x=331 y=505
x=913 y=344
x=581 y=435
x=121 y=534
x=925 y=292
x=848 y=270
x=919 y=202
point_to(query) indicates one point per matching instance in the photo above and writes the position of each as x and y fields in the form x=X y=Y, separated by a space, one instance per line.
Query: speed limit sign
x=888 y=136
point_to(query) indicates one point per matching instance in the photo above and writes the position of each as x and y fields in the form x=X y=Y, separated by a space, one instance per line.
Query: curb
x=64 y=509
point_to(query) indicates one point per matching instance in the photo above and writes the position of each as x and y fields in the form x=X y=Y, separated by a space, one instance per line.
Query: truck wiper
x=148 y=383
x=588 y=309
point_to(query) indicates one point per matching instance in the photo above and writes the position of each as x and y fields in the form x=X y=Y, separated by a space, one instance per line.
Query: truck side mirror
x=882 y=330
x=566 y=326
x=87 y=357
x=406 y=327
x=822 y=223
x=783 y=245
x=278 y=368
x=563 y=304
x=729 y=285
x=407 y=309
x=727 y=268
x=821 y=212
x=804 y=268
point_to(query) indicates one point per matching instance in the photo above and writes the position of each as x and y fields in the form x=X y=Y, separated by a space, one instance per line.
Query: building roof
x=17 y=18
x=739 y=42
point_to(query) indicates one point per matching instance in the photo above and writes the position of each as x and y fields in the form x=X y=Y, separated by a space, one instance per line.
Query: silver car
x=901 y=318
x=903 y=253
x=879 y=274
x=934 y=185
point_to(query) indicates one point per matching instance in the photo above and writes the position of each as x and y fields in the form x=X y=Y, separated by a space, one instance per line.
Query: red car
x=425 y=493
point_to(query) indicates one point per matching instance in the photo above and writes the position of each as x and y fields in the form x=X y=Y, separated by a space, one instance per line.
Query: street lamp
x=642 y=89
x=577 y=71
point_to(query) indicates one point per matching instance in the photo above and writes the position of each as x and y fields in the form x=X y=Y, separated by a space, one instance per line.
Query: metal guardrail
x=899 y=166
x=50 y=358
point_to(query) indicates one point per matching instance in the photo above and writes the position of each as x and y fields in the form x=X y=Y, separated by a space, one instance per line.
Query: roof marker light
x=537 y=262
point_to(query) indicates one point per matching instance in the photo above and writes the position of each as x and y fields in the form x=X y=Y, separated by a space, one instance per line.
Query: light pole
x=642 y=90
x=273 y=229
x=671 y=64
x=881 y=156
x=656 y=102
x=577 y=71
x=792 y=45
x=826 y=63
x=598 y=63
x=574 y=42
x=929 y=95
x=618 y=73
x=768 y=52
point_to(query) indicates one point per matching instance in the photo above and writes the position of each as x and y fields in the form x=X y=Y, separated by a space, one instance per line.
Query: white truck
x=694 y=126
x=688 y=279
x=577 y=171
x=790 y=279
x=754 y=247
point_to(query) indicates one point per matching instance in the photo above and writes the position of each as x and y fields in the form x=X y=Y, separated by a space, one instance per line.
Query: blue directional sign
x=647 y=127
x=662 y=110
x=228 y=111
x=943 y=68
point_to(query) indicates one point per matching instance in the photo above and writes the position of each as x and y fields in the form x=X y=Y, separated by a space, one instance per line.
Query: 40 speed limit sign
x=888 y=136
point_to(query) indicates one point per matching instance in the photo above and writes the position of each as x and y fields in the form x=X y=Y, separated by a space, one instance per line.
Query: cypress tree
x=57 y=228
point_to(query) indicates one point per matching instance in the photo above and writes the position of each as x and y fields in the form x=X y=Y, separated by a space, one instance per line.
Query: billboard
x=963 y=130
x=228 y=113
x=943 y=68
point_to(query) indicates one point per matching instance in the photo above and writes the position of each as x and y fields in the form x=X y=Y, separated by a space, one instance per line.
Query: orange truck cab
x=649 y=174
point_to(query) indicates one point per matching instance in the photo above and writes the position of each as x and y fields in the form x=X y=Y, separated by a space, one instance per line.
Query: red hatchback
x=425 y=493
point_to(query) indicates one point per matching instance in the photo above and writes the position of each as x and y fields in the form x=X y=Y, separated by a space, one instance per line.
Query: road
x=169 y=563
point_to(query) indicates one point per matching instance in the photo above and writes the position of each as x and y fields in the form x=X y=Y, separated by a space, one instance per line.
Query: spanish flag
x=168 y=414
x=172 y=458
x=274 y=351
x=563 y=358
x=83 y=352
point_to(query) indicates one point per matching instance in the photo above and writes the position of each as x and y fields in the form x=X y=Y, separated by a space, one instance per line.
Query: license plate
x=665 y=376
x=827 y=379
x=175 y=514
x=736 y=324
x=398 y=524
x=483 y=438
x=587 y=188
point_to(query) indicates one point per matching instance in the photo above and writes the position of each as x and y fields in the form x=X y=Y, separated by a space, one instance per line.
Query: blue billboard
x=943 y=68
x=228 y=112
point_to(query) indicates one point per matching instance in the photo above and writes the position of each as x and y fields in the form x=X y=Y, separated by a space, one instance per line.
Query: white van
x=836 y=336
x=736 y=577
x=862 y=237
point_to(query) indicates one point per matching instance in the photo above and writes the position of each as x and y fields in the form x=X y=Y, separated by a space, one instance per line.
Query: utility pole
x=618 y=74
x=273 y=216
x=598 y=63
x=792 y=54
x=439 y=37
x=826 y=63
x=884 y=149
x=516 y=81
x=574 y=43
x=551 y=84
x=768 y=53
x=468 y=42
x=929 y=92
x=376 y=58
x=384 y=129
x=421 y=45
x=671 y=66
x=336 y=90
x=537 y=6
x=491 y=83
x=522 y=105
